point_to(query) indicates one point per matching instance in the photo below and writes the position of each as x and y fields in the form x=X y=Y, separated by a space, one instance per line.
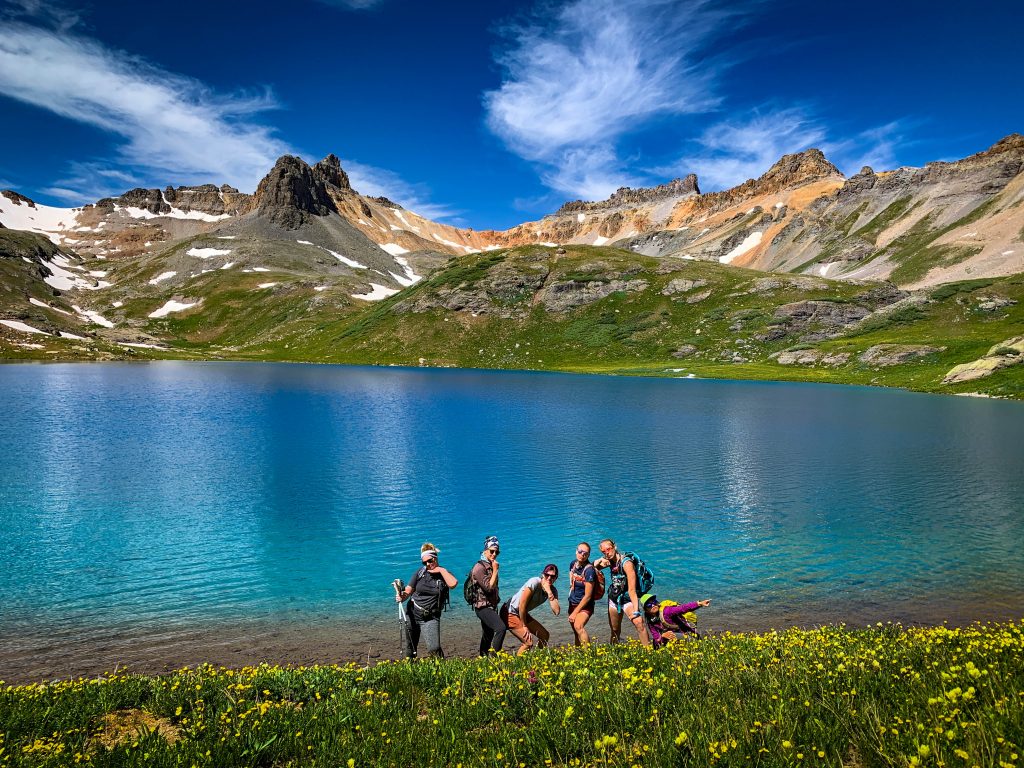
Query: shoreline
x=43 y=657
x=652 y=373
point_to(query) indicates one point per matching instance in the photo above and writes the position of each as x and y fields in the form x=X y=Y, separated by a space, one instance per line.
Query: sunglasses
x=493 y=551
x=582 y=551
x=551 y=575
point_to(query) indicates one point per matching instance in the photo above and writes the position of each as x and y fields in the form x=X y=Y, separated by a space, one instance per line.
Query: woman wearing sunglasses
x=486 y=601
x=516 y=612
x=428 y=588
x=582 y=588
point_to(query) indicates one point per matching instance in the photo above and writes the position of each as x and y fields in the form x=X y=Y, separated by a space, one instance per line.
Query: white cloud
x=380 y=182
x=171 y=125
x=598 y=69
x=732 y=151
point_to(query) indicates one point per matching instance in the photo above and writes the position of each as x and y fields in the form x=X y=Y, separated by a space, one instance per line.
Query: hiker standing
x=428 y=588
x=484 y=577
x=583 y=592
x=533 y=594
x=629 y=579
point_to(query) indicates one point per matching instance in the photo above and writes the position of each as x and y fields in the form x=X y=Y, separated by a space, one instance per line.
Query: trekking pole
x=405 y=642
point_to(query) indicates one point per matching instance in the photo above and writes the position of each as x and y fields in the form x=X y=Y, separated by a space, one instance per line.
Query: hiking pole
x=405 y=641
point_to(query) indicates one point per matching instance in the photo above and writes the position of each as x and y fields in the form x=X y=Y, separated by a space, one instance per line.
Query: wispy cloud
x=51 y=12
x=376 y=182
x=172 y=127
x=732 y=151
x=579 y=79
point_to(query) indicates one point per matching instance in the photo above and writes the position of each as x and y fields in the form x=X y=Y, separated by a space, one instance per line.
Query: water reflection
x=148 y=497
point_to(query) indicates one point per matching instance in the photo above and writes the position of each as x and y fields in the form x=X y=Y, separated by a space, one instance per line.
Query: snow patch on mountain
x=207 y=253
x=377 y=293
x=750 y=242
x=161 y=277
x=394 y=249
x=42 y=219
x=19 y=326
x=173 y=306
x=346 y=261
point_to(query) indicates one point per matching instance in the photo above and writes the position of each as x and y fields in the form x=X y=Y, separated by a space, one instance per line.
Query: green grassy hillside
x=584 y=308
x=727 y=325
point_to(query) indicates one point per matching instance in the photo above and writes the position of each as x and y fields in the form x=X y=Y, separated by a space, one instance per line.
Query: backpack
x=443 y=597
x=599 y=582
x=470 y=589
x=644 y=576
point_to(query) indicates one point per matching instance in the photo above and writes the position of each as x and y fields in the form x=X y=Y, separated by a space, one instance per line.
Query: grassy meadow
x=835 y=696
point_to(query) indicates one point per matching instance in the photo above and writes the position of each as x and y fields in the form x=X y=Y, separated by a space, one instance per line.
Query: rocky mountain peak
x=293 y=192
x=627 y=196
x=798 y=168
x=329 y=170
x=15 y=197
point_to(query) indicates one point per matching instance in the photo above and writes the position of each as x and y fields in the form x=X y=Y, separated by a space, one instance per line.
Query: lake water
x=171 y=512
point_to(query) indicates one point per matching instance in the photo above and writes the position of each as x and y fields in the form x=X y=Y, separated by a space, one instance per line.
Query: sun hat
x=647 y=598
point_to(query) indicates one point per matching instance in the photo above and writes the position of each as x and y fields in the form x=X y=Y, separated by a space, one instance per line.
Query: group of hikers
x=629 y=593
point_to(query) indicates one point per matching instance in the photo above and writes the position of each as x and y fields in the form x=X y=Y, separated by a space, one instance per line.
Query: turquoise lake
x=170 y=512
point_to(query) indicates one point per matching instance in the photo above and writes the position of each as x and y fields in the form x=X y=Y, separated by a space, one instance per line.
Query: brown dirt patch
x=125 y=725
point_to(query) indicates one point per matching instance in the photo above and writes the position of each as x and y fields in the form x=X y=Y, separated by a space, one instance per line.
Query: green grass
x=827 y=697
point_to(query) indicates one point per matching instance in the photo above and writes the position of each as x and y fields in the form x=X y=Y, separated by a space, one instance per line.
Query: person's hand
x=398 y=598
x=494 y=565
x=703 y=603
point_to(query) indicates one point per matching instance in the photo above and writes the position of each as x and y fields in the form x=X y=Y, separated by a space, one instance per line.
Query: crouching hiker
x=516 y=612
x=669 y=620
x=429 y=590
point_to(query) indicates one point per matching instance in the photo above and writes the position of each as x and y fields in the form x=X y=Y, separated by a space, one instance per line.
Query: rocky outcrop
x=681 y=285
x=627 y=196
x=789 y=172
x=1002 y=355
x=884 y=355
x=811 y=357
x=819 y=319
x=293 y=192
x=504 y=291
x=569 y=294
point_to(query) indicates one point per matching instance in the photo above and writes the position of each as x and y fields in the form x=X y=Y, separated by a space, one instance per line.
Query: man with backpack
x=480 y=590
x=630 y=578
x=586 y=585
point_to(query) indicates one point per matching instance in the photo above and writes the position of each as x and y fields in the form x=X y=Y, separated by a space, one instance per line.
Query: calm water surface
x=267 y=507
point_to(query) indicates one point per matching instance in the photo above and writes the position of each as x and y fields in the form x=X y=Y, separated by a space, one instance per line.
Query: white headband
x=424 y=556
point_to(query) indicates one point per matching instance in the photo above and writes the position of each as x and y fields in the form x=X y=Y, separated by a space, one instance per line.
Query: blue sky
x=488 y=114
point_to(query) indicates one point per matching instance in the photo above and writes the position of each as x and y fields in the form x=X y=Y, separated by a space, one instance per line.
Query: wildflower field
x=833 y=696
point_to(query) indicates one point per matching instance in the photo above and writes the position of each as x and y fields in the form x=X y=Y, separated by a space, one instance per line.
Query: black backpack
x=470 y=589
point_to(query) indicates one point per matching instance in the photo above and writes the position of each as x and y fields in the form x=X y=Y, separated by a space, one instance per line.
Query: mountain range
x=307 y=268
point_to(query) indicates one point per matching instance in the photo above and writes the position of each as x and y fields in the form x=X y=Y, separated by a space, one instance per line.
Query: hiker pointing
x=428 y=589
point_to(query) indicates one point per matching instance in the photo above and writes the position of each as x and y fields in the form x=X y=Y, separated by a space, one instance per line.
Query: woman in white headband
x=428 y=588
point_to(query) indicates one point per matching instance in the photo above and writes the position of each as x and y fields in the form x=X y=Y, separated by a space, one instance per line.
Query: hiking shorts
x=587 y=609
x=620 y=607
